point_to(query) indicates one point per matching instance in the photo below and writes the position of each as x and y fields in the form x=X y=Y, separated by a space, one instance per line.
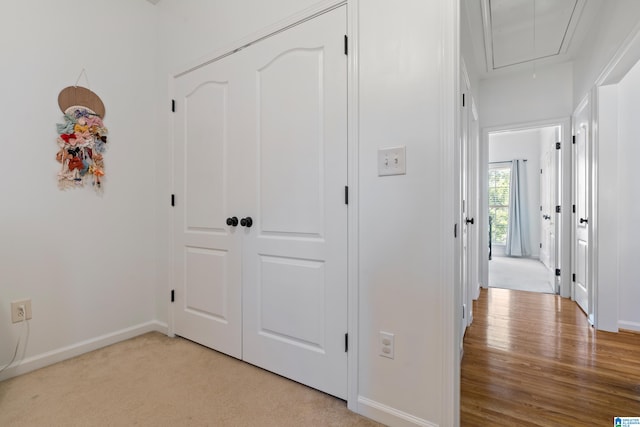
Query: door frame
x=563 y=227
x=603 y=239
x=319 y=8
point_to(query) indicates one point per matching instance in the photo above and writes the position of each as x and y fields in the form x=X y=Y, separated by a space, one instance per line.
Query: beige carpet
x=153 y=380
x=521 y=274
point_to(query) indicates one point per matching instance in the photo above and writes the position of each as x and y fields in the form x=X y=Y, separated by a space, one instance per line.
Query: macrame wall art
x=82 y=137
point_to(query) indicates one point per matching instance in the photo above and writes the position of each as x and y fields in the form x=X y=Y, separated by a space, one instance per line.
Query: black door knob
x=233 y=221
x=546 y=217
x=584 y=221
x=246 y=222
x=469 y=221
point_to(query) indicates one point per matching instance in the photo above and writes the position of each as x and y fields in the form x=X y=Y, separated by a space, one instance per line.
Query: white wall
x=400 y=260
x=525 y=144
x=88 y=262
x=400 y=225
x=628 y=199
x=520 y=98
x=615 y=20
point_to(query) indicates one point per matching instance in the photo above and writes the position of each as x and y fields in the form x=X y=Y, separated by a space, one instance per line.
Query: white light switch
x=392 y=161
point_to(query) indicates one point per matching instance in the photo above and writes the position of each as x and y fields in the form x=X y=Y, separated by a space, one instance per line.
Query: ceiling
x=512 y=35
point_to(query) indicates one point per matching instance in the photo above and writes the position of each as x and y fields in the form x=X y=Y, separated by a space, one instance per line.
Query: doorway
x=523 y=192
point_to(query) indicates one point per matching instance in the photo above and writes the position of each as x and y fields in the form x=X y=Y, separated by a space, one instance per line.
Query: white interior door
x=207 y=252
x=295 y=254
x=548 y=173
x=582 y=290
x=545 y=206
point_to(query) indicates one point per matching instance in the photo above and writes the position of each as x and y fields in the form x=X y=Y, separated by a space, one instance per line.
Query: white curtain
x=518 y=232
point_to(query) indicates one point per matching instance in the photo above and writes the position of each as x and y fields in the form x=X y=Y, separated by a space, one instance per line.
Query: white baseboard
x=388 y=415
x=45 y=359
x=630 y=326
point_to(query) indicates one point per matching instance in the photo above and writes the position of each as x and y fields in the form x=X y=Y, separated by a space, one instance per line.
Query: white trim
x=390 y=416
x=606 y=269
x=567 y=196
x=280 y=26
x=49 y=358
x=172 y=213
x=486 y=26
x=353 y=144
x=450 y=101
x=625 y=57
x=629 y=326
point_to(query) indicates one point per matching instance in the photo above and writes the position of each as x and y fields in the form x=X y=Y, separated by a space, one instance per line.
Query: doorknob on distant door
x=546 y=217
x=469 y=221
x=233 y=221
x=584 y=221
x=246 y=222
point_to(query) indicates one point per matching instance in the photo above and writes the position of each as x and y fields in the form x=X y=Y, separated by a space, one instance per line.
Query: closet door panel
x=207 y=252
x=295 y=254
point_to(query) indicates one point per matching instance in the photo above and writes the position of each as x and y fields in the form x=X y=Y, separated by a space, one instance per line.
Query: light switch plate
x=392 y=161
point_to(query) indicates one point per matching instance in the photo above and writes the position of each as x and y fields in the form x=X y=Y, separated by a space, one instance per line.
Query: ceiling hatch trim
x=521 y=31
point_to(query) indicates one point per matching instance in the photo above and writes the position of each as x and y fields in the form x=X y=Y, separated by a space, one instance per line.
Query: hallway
x=532 y=360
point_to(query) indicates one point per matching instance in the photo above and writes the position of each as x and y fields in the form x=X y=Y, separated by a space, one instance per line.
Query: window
x=499 y=180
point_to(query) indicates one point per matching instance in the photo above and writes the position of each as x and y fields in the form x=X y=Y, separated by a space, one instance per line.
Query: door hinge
x=557 y=272
x=173 y=200
x=558 y=145
x=463 y=100
x=540 y=208
x=574 y=208
x=346 y=343
x=346 y=194
x=346 y=45
x=540 y=245
x=540 y=171
x=558 y=210
x=573 y=140
x=455 y=231
x=173 y=105
x=573 y=277
x=463 y=311
x=173 y=295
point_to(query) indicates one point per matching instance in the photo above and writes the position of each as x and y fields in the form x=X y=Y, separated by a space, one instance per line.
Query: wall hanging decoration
x=82 y=138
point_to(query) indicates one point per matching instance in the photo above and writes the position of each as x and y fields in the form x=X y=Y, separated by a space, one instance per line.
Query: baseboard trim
x=388 y=415
x=629 y=326
x=49 y=358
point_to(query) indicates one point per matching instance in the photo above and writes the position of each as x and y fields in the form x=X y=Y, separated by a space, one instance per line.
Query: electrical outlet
x=387 y=345
x=20 y=310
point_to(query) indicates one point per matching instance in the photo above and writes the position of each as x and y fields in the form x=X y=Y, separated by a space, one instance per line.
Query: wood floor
x=531 y=359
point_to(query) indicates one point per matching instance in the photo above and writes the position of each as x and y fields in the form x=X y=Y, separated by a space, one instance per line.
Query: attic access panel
x=527 y=30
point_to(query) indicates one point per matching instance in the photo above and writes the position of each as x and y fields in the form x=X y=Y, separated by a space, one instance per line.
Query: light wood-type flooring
x=532 y=359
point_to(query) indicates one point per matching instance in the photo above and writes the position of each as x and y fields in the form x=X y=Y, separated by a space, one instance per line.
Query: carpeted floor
x=521 y=274
x=153 y=380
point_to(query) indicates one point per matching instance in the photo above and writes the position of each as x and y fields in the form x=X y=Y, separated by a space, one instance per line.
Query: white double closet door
x=262 y=134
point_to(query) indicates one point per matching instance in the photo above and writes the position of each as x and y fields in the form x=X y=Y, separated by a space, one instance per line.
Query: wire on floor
x=15 y=352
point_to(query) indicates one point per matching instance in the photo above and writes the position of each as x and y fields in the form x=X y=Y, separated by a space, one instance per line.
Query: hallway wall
x=521 y=98
x=628 y=200
x=615 y=20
